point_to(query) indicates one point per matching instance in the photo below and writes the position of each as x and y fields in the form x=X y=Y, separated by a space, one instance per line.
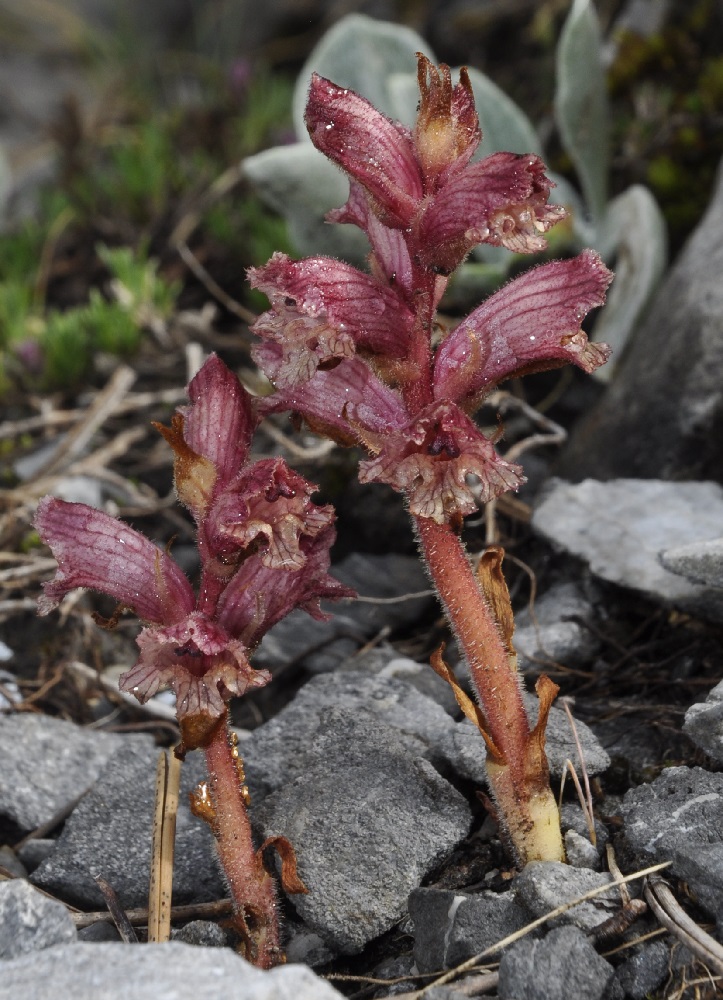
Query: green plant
x=56 y=348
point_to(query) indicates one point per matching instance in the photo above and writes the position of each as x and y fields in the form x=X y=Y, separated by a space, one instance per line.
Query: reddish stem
x=475 y=626
x=516 y=764
x=223 y=804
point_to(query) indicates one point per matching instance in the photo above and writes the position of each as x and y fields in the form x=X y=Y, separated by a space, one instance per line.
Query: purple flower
x=264 y=550
x=360 y=355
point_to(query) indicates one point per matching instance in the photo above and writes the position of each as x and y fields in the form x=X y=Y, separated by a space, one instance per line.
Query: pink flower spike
x=258 y=596
x=374 y=150
x=429 y=460
x=531 y=324
x=96 y=551
x=501 y=200
x=220 y=422
x=202 y=663
x=268 y=506
x=323 y=310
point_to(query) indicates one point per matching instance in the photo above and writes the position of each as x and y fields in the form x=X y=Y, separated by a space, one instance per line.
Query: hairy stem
x=222 y=803
x=516 y=763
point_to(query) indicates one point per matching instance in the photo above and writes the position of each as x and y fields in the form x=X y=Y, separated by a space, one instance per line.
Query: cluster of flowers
x=362 y=355
x=263 y=546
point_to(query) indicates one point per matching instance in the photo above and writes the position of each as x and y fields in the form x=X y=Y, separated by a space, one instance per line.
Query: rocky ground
x=356 y=752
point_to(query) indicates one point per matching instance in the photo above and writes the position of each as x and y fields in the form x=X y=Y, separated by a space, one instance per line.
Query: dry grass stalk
x=168 y=778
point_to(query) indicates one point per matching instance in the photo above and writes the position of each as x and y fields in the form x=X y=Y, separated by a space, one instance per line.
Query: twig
x=533 y=925
x=105 y=403
x=223 y=184
x=58 y=418
x=586 y=801
x=120 y=918
x=614 y=870
x=671 y=915
x=394 y=600
x=589 y=817
x=138 y=917
x=194 y=265
x=93 y=464
x=317 y=451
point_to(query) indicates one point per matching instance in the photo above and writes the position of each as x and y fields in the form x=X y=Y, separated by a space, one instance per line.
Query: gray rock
x=109 y=834
x=34 y=851
x=699 y=562
x=385 y=661
x=550 y=636
x=620 y=527
x=704 y=723
x=10 y=694
x=47 y=763
x=561 y=966
x=635 y=750
x=10 y=861
x=304 y=945
x=30 y=921
x=661 y=418
x=368 y=819
x=580 y=851
x=451 y=927
x=172 y=971
x=679 y=818
x=101 y=930
x=572 y=818
x=560 y=745
x=201 y=933
x=276 y=752
x=544 y=885
x=644 y=971
x=322 y=646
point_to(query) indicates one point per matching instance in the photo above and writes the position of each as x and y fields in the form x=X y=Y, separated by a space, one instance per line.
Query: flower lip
x=201 y=663
x=430 y=458
x=268 y=509
x=323 y=310
x=500 y=200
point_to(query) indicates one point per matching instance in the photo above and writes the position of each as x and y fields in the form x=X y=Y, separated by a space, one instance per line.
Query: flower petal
x=258 y=597
x=200 y=661
x=220 y=422
x=267 y=507
x=430 y=459
x=97 y=551
x=327 y=397
x=447 y=131
x=368 y=146
x=390 y=261
x=532 y=323
x=501 y=200
x=322 y=310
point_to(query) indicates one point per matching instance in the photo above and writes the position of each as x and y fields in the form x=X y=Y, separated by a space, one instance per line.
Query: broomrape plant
x=362 y=357
x=264 y=550
x=357 y=355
